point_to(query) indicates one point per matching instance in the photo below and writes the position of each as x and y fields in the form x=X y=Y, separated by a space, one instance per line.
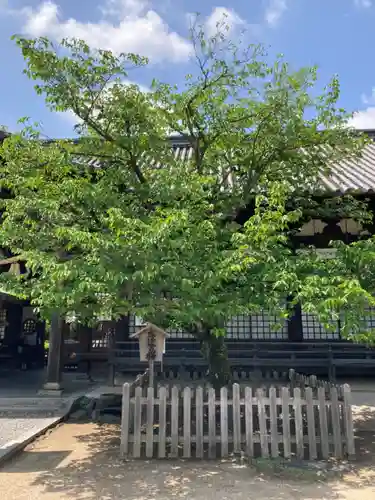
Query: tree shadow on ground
x=35 y=461
x=95 y=471
x=364 y=426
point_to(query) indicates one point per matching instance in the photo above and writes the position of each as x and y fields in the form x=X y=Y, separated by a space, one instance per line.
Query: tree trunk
x=213 y=349
x=215 y=352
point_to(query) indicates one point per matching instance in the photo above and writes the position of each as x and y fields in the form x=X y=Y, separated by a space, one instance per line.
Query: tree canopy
x=116 y=221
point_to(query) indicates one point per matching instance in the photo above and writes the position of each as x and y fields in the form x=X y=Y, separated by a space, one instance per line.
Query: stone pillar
x=54 y=366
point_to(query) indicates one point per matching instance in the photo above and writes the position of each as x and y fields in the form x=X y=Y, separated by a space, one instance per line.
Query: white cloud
x=274 y=11
x=364 y=119
x=126 y=26
x=123 y=8
x=364 y=4
x=369 y=100
x=223 y=15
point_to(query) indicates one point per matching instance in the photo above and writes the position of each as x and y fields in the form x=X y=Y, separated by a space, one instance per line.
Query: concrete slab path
x=25 y=415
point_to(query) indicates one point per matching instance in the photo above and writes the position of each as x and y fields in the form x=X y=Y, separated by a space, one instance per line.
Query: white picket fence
x=200 y=423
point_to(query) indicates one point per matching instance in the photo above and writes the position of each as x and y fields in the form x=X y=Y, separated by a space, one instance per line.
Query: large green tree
x=115 y=222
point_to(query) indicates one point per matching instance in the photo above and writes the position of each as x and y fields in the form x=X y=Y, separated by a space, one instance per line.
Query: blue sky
x=334 y=34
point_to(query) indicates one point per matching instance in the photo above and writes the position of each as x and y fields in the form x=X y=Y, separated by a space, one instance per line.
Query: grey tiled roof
x=356 y=175
x=353 y=175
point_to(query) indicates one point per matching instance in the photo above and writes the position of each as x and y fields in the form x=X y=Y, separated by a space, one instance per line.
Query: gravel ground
x=80 y=461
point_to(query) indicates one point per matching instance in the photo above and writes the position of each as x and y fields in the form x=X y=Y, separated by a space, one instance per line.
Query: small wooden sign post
x=151 y=346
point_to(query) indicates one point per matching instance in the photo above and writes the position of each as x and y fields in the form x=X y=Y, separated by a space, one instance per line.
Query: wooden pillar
x=111 y=336
x=14 y=325
x=295 y=330
x=54 y=366
x=122 y=329
x=85 y=345
x=41 y=330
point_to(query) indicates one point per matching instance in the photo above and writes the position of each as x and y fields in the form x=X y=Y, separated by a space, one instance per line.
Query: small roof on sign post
x=150 y=328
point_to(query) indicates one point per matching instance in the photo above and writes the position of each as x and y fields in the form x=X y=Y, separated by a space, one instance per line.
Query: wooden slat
x=211 y=424
x=323 y=423
x=313 y=381
x=262 y=424
x=336 y=423
x=249 y=421
x=236 y=419
x=298 y=423
x=348 y=421
x=187 y=422
x=162 y=421
x=199 y=422
x=150 y=423
x=273 y=418
x=311 y=424
x=137 y=423
x=124 y=446
x=286 y=421
x=224 y=421
x=174 y=423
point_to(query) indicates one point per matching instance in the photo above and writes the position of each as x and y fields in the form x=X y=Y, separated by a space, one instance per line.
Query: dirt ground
x=80 y=461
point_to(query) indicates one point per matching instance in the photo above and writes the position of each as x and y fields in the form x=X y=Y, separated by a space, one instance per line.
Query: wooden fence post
x=150 y=423
x=285 y=397
x=162 y=421
x=311 y=424
x=174 y=423
x=211 y=424
x=236 y=419
x=249 y=421
x=224 y=421
x=348 y=422
x=262 y=424
x=137 y=423
x=336 y=423
x=323 y=422
x=124 y=446
x=199 y=422
x=187 y=422
x=273 y=424
x=298 y=422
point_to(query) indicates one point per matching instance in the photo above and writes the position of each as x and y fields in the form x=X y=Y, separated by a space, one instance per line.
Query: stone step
x=36 y=406
x=29 y=413
x=33 y=401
